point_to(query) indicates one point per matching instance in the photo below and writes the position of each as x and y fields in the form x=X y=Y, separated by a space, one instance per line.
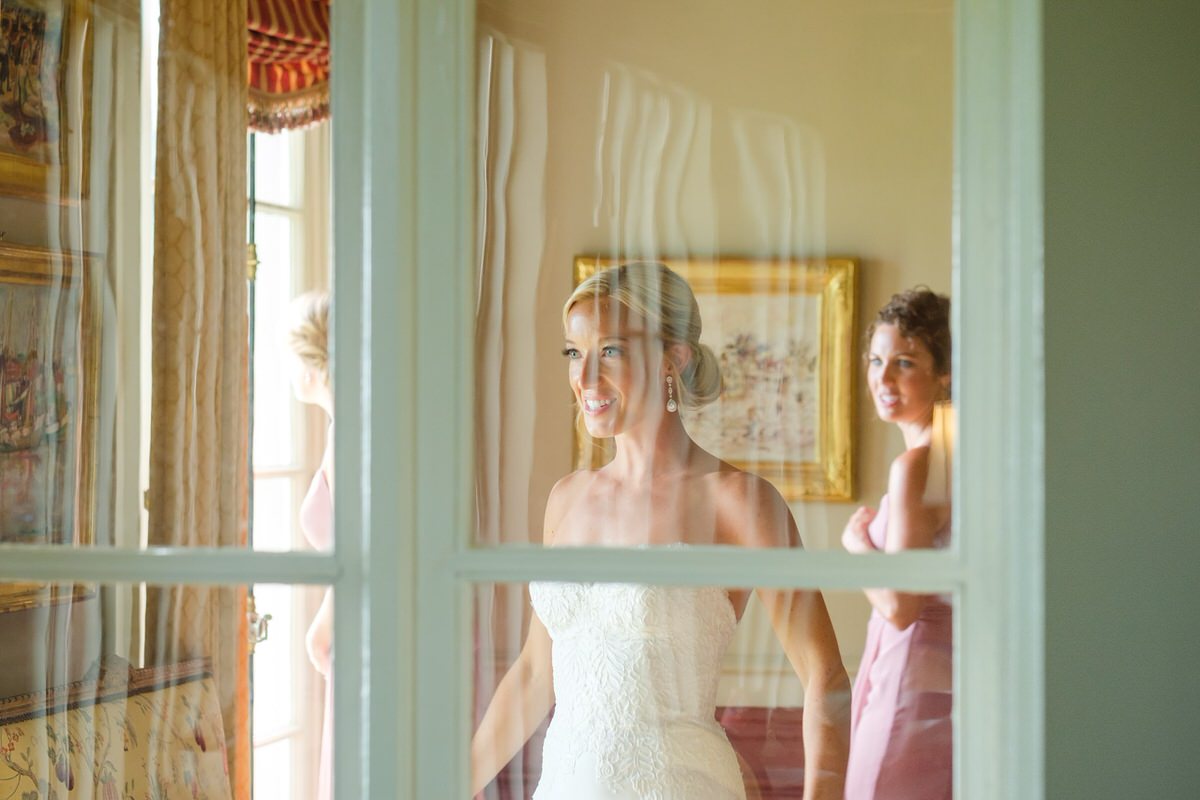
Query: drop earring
x=672 y=406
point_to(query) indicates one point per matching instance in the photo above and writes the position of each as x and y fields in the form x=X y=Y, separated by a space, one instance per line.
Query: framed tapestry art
x=784 y=332
x=48 y=406
x=45 y=87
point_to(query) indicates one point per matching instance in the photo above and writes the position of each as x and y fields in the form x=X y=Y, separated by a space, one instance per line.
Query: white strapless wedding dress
x=635 y=681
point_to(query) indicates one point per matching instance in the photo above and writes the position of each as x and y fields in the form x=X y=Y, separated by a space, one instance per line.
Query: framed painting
x=49 y=349
x=45 y=95
x=784 y=332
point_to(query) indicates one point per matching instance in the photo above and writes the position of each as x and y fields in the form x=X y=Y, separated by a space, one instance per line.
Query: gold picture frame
x=49 y=398
x=785 y=332
x=45 y=98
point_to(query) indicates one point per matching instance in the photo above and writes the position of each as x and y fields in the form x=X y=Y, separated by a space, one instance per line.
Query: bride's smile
x=613 y=367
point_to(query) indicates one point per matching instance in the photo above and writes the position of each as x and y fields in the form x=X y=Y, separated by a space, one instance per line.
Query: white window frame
x=403 y=212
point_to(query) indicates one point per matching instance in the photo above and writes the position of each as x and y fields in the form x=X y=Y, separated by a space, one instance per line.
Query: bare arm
x=912 y=524
x=526 y=693
x=801 y=622
x=522 y=700
x=802 y=625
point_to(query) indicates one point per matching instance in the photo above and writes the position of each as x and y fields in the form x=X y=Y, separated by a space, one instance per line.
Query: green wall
x=1122 y=226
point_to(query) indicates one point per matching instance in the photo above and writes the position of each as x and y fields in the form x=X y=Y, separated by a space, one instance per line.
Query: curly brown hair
x=920 y=314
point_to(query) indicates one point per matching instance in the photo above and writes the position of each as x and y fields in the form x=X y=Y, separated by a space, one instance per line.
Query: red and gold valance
x=289 y=63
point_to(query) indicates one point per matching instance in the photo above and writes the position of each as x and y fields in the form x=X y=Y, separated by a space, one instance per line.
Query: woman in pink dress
x=900 y=741
x=308 y=338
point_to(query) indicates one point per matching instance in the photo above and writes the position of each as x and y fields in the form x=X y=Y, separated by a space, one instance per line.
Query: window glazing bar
x=930 y=571
x=209 y=566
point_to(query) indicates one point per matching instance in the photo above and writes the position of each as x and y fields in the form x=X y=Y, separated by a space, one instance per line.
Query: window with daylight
x=290 y=213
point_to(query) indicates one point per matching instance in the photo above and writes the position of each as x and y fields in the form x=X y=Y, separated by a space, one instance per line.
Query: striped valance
x=289 y=63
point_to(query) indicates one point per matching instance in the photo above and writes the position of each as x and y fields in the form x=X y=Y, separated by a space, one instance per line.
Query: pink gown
x=316 y=520
x=900 y=739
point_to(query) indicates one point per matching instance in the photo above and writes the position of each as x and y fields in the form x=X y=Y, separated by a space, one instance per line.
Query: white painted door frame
x=418 y=64
x=403 y=89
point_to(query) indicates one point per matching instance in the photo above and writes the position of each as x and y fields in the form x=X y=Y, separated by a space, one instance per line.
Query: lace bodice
x=635 y=679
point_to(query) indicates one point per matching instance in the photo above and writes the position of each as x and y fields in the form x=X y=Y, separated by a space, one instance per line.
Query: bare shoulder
x=736 y=486
x=913 y=522
x=751 y=511
x=908 y=474
x=565 y=491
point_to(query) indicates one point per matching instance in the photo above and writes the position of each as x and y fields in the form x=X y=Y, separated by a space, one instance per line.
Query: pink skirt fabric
x=901 y=735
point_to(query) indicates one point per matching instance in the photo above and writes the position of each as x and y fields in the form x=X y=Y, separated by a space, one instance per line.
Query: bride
x=631 y=671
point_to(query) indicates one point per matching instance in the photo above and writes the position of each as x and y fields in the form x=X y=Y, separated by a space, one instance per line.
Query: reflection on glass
x=791 y=186
x=123 y=269
x=628 y=690
x=147 y=691
x=49 y=397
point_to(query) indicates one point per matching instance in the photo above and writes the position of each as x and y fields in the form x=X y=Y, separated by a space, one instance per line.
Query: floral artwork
x=148 y=733
x=769 y=355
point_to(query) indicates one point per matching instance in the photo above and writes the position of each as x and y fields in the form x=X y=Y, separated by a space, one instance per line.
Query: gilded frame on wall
x=49 y=356
x=45 y=98
x=784 y=331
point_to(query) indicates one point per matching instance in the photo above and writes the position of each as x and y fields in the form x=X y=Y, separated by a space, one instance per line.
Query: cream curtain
x=198 y=436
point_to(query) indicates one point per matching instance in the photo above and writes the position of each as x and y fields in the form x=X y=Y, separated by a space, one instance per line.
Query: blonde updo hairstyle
x=667 y=303
x=308 y=334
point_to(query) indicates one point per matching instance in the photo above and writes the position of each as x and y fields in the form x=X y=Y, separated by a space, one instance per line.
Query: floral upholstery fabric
x=132 y=734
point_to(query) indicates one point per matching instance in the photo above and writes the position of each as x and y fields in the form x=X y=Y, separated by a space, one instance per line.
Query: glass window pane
x=273 y=768
x=275 y=159
x=792 y=187
x=274 y=683
x=275 y=516
x=49 y=398
x=141 y=691
x=704 y=692
x=274 y=423
x=124 y=304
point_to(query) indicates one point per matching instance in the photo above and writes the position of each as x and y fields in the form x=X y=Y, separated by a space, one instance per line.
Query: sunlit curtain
x=198 y=437
x=288 y=71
